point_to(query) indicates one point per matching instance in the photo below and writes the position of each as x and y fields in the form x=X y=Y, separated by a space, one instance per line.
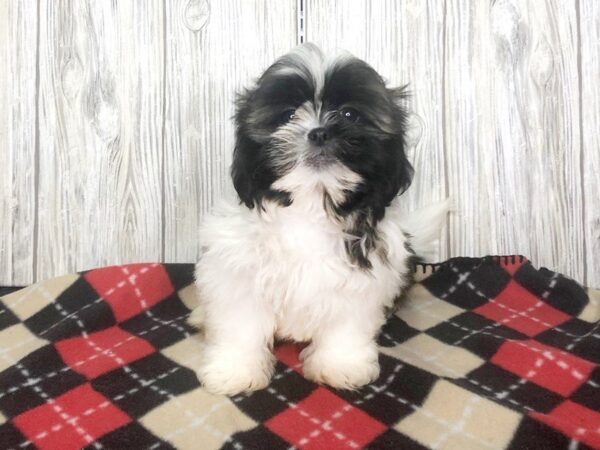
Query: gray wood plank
x=101 y=121
x=18 y=52
x=589 y=19
x=512 y=131
x=209 y=57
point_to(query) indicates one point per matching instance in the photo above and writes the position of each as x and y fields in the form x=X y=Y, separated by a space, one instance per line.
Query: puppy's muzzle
x=318 y=136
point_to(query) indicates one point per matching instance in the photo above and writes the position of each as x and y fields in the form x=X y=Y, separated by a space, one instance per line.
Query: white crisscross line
x=539 y=362
x=484 y=331
x=324 y=425
x=201 y=419
x=34 y=381
x=52 y=402
x=197 y=420
x=591 y=333
x=378 y=389
x=68 y=419
x=475 y=382
x=144 y=304
x=103 y=405
x=545 y=295
x=68 y=316
x=462 y=277
x=458 y=426
x=493 y=394
x=106 y=403
x=495 y=324
x=549 y=355
x=131 y=373
x=26 y=293
x=383 y=390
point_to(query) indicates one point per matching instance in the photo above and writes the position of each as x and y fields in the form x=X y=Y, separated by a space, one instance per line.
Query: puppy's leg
x=344 y=353
x=239 y=334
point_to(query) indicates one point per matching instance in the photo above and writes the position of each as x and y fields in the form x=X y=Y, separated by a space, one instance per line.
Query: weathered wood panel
x=18 y=52
x=513 y=141
x=503 y=139
x=101 y=120
x=404 y=42
x=589 y=19
x=213 y=49
x=135 y=138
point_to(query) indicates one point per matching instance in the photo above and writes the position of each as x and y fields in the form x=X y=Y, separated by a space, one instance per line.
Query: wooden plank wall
x=18 y=140
x=498 y=105
x=115 y=135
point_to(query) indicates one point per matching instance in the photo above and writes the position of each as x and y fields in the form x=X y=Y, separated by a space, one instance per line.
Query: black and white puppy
x=316 y=248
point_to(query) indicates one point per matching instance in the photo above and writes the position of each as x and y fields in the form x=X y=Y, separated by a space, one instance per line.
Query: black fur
x=371 y=143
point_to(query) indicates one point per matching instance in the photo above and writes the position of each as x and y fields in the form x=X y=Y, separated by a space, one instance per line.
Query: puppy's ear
x=399 y=94
x=251 y=168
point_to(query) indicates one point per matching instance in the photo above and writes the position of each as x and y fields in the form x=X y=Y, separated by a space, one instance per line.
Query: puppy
x=315 y=249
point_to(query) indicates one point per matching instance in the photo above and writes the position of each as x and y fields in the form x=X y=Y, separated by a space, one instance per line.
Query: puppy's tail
x=424 y=227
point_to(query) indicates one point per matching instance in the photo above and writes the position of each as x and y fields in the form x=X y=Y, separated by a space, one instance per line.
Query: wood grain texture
x=512 y=127
x=115 y=131
x=404 y=42
x=589 y=22
x=18 y=52
x=101 y=120
x=213 y=49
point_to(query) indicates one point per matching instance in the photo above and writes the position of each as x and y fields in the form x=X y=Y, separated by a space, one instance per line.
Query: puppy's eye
x=350 y=114
x=287 y=115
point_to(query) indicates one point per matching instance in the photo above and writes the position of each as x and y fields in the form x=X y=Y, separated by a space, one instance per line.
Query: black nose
x=318 y=136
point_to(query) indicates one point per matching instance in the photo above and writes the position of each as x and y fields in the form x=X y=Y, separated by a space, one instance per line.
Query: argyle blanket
x=484 y=353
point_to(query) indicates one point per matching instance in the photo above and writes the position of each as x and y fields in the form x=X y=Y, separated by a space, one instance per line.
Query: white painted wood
x=589 y=21
x=135 y=138
x=403 y=41
x=18 y=51
x=101 y=120
x=213 y=49
x=510 y=122
x=512 y=127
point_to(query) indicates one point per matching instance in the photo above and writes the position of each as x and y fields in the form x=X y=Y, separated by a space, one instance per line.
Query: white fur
x=283 y=272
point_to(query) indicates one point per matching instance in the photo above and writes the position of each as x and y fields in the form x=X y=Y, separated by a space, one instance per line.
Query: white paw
x=341 y=368
x=228 y=371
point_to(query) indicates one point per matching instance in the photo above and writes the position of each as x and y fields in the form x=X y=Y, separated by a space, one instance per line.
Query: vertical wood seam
x=36 y=157
x=584 y=279
x=300 y=21
x=444 y=134
x=163 y=219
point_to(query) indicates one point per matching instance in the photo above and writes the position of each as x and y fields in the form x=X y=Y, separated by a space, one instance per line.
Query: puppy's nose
x=318 y=136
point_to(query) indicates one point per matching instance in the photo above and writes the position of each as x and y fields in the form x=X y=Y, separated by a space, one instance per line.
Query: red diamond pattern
x=71 y=421
x=544 y=365
x=576 y=421
x=131 y=289
x=323 y=420
x=519 y=309
x=100 y=352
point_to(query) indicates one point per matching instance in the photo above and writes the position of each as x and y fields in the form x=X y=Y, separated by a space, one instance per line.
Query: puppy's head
x=330 y=126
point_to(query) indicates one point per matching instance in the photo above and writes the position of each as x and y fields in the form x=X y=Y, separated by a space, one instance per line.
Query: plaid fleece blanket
x=485 y=353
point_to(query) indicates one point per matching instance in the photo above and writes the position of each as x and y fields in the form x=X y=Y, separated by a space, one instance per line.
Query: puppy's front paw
x=229 y=371
x=341 y=368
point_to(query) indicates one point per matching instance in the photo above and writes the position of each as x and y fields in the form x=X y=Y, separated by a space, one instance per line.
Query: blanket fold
x=483 y=353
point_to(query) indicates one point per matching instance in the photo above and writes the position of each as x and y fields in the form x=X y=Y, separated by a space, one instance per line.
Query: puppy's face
x=330 y=122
